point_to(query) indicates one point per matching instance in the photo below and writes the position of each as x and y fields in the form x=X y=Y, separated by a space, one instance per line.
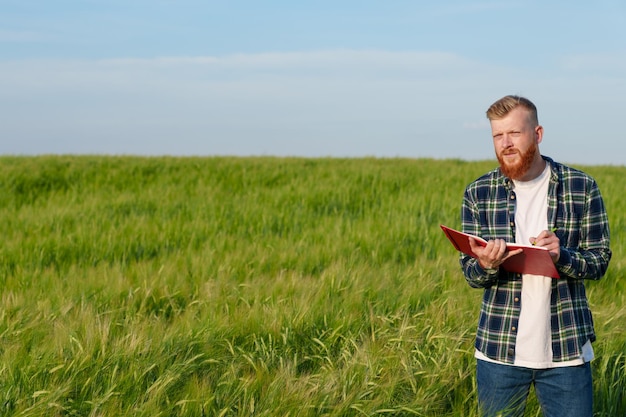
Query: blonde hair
x=502 y=107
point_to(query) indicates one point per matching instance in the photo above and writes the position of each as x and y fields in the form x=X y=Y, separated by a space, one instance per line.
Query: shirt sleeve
x=589 y=259
x=474 y=274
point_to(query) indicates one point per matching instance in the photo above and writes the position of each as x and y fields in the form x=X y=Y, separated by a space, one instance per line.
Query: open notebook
x=533 y=260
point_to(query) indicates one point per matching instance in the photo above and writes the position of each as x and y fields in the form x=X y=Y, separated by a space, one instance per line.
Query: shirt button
x=512 y=196
x=516 y=299
x=510 y=352
x=514 y=328
x=512 y=224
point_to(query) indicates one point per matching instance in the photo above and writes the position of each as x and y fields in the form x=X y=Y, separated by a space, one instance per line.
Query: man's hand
x=549 y=240
x=492 y=255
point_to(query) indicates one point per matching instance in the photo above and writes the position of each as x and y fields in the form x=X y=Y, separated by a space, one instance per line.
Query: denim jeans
x=503 y=390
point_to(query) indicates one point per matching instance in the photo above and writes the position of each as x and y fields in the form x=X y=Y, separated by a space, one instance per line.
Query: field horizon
x=254 y=286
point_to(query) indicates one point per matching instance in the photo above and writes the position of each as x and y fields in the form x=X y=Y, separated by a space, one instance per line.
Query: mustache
x=516 y=170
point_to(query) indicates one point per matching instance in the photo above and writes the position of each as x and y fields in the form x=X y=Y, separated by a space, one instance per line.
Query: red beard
x=518 y=170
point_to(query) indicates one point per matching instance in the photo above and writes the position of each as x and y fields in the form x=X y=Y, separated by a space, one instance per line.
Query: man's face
x=516 y=140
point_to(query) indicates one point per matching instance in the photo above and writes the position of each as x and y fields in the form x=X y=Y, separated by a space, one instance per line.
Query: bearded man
x=533 y=330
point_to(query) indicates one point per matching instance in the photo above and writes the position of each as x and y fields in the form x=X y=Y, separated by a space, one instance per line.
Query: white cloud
x=476 y=7
x=17 y=36
x=345 y=102
x=374 y=76
x=595 y=63
x=354 y=63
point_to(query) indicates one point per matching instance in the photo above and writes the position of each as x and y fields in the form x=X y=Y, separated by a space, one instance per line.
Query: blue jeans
x=503 y=390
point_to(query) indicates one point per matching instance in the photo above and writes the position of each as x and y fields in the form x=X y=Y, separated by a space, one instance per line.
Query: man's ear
x=539 y=133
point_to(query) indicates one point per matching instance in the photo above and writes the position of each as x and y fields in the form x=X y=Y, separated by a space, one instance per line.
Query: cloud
x=596 y=63
x=354 y=62
x=16 y=36
x=334 y=102
x=371 y=75
x=478 y=7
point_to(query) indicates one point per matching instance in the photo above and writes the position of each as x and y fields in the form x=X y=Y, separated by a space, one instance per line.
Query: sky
x=326 y=78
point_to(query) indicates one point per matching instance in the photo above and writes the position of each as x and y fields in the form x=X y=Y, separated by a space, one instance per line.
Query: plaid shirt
x=576 y=208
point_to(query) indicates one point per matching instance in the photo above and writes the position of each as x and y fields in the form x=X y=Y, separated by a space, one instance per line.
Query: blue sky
x=324 y=78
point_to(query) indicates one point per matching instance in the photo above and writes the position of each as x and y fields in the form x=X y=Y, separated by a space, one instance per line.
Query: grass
x=252 y=287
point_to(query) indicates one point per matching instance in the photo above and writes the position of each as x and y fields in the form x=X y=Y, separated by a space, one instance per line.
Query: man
x=533 y=330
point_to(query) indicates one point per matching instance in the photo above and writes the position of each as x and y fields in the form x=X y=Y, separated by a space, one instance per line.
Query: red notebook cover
x=533 y=260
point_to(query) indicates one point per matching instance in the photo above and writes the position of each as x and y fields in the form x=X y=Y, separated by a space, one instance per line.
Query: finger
x=476 y=247
x=490 y=250
x=544 y=234
x=546 y=238
x=500 y=248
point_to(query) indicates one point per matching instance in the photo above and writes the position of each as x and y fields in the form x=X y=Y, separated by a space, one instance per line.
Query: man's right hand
x=492 y=255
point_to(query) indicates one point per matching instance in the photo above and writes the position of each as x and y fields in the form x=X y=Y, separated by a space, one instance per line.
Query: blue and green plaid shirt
x=576 y=209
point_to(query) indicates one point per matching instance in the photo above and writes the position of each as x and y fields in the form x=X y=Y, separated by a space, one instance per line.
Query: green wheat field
x=221 y=286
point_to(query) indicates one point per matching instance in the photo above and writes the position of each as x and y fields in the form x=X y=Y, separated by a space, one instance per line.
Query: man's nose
x=507 y=142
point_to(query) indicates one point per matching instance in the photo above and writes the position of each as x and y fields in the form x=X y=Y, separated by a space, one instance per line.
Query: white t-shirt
x=533 y=344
